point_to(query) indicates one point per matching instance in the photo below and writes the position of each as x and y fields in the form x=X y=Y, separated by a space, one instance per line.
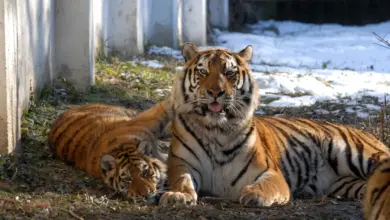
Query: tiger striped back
x=113 y=143
x=377 y=200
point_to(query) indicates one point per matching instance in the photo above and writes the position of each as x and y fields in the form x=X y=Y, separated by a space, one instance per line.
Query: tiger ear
x=246 y=53
x=189 y=51
x=107 y=163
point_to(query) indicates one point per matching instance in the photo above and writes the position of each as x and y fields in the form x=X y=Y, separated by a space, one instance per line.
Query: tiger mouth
x=215 y=107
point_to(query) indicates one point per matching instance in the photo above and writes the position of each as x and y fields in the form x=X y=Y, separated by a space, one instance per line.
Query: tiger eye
x=202 y=71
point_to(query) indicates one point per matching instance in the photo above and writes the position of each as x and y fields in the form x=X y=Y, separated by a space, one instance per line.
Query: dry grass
x=37 y=186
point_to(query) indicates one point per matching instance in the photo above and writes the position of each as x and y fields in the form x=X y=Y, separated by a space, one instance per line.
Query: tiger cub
x=115 y=144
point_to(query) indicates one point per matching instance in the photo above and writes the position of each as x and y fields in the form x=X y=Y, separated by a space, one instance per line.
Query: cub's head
x=216 y=85
x=133 y=175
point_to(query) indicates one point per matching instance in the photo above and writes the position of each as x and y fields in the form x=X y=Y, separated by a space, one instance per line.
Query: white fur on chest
x=217 y=169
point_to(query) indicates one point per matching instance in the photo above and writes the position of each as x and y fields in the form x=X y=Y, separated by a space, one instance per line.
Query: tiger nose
x=215 y=92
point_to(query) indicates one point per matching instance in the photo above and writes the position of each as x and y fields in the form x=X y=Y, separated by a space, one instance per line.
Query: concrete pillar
x=75 y=41
x=218 y=12
x=163 y=23
x=124 y=27
x=99 y=10
x=26 y=62
x=194 y=21
x=146 y=7
x=8 y=85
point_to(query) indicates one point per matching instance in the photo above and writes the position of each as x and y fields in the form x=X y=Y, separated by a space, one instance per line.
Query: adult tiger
x=377 y=200
x=220 y=147
x=112 y=143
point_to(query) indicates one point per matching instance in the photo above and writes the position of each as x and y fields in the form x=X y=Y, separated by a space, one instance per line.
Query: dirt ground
x=34 y=185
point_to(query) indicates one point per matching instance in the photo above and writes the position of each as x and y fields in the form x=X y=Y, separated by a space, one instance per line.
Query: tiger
x=220 y=147
x=114 y=143
x=377 y=200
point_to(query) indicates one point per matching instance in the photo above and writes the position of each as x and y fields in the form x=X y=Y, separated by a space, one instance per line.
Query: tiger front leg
x=182 y=187
x=269 y=188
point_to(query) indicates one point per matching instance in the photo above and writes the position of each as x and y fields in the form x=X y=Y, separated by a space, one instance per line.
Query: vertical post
x=75 y=41
x=146 y=7
x=125 y=33
x=162 y=25
x=194 y=21
x=9 y=120
x=98 y=24
x=218 y=12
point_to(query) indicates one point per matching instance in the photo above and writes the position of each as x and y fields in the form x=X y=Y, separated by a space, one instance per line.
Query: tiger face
x=216 y=85
x=136 y=177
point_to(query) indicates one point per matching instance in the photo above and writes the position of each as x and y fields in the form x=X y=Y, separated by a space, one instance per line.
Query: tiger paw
x=178 y=198
x=253 y=195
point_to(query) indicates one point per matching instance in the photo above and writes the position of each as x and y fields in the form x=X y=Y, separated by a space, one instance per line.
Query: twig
x=72 y=214
x=384 y=43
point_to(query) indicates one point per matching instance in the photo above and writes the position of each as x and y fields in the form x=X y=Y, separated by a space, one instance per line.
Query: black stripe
x=183 y=86
x=314 y=138
x=287 y=158
x=292 y=148
x=306 y=159
x=314 y=188
x=187 y=147
x=363 y=137
x=286 y=174
x=342 y=185
x=358 y=190
x=188 y=165
x=386 y=170
x=233 y=152
x=262 y=172
x=359 y=146
x=348 y=154
x=332 y=161
x=288 y=123
x=189 y=130
x=65 y=148
x=281 y=142
x=250 y=86
x=242 y=90
x=377 y=193
x=244 y=169
x=350 y=186
x=379 y=211
x=76 y=146
x=77 y=120
x=227 y=152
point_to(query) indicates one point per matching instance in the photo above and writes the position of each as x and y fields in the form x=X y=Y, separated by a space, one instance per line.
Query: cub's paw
x=254 y=195
x=178 y=198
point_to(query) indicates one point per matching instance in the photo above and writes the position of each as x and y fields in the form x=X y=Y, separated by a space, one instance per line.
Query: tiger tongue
x=215 y=107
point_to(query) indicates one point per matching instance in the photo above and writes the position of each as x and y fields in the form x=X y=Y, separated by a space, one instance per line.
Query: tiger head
x=216 y=85
x=133 y=176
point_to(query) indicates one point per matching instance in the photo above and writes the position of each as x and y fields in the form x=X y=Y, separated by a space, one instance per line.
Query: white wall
x=26 y=61
x=125 y=27
x=162 y=24
x=218 y=12
x=75 y=41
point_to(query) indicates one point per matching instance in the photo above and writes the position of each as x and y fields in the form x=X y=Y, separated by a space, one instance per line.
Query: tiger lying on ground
x=377 y=199
x=220 y=147
x=112 y=143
